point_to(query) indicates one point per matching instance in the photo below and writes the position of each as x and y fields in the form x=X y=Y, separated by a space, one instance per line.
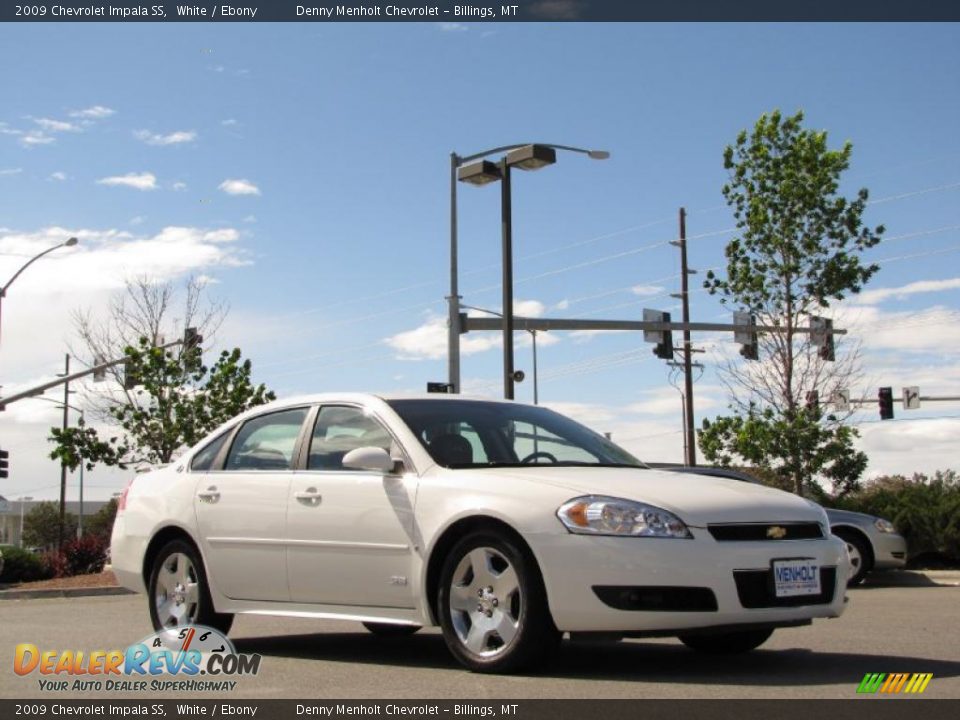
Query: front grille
x=765 y=531
x=657 y=598
x=755 y=589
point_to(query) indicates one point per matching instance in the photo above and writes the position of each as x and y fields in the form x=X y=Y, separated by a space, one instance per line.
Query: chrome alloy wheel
x=177 y=592
x=856 y=559
x=485 y=602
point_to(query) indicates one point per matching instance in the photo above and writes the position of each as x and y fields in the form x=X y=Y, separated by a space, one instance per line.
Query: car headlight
x=884 y=526
x=598 y=515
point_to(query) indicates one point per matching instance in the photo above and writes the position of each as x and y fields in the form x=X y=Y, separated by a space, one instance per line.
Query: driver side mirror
x=373 y=459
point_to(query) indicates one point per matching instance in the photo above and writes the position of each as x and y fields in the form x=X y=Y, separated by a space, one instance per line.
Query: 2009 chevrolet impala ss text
x=505 y=524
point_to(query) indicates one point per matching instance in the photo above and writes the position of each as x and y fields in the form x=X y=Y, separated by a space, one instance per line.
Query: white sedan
x=505 y=524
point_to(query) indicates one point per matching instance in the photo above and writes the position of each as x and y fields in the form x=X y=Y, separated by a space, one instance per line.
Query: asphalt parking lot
x=885 y=629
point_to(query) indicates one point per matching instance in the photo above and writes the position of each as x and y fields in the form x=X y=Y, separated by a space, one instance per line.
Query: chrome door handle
x=210 y=495
x=310 y=496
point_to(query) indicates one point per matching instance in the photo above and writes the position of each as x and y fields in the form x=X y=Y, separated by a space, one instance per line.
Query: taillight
x=122 y=502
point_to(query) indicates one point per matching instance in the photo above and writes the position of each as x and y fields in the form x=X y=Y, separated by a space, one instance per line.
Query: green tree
x=41 y=526
x=101 y=522
x=798 y=249
x=177 y=400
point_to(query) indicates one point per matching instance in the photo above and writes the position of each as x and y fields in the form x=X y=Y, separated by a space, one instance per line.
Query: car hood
x=695 y=499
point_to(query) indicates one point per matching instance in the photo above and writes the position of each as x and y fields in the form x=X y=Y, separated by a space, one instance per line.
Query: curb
x=62 y=593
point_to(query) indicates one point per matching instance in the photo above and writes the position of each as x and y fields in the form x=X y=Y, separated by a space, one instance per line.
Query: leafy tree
x=797 y=250
x=41 y=525
x=176 y=402
x=101 y=523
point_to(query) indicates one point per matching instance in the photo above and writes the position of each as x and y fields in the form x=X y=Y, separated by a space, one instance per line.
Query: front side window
x=267 y=442
x=474 y=434
x=203 y=460
x=339 y=430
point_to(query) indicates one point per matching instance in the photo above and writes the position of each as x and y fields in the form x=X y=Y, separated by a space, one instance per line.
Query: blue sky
x=304 y=169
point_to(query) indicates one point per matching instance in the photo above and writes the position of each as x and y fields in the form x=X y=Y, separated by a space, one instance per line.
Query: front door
x=350 y=532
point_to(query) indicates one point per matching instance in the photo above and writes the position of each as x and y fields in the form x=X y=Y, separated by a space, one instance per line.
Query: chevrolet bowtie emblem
x=775 y=532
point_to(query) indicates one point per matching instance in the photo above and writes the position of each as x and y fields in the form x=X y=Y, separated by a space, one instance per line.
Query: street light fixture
x=530 y=156
x=69 y=242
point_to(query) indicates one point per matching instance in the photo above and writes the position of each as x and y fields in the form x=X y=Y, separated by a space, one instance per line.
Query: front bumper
x=889 y=551
x=573 y=565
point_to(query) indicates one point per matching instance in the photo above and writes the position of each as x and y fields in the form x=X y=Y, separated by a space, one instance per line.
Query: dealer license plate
x=796 y=577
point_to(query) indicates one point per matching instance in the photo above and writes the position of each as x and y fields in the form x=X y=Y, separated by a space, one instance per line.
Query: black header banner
x=485 y=709
x=478 y=11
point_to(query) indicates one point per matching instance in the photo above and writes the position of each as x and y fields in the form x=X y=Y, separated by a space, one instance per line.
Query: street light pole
x=453 y=300
x=506 y=229
x=69 y=242
x=531 y=156
x=536 y=396
x=22 y=501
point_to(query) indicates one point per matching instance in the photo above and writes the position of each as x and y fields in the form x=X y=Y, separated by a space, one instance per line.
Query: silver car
x=873 y=543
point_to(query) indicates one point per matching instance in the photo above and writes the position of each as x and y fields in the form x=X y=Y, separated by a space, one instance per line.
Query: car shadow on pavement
x=899 y=578
x=624 y=661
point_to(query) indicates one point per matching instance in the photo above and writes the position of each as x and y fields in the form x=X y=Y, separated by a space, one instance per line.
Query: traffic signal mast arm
x=541 y=324
x=40 y=389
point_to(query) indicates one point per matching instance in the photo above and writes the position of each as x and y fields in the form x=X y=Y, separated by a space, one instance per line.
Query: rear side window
x=267 y=442
x=203 y=460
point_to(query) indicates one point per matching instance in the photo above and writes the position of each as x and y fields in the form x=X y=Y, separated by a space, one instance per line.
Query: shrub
x=85 y=555
x=926 y=510
x=54 y=564
x=21 y=565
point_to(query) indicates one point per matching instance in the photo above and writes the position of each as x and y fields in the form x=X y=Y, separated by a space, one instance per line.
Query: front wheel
x=178 y=591
x=727 y=643
x=861 y=559
x=493 y=607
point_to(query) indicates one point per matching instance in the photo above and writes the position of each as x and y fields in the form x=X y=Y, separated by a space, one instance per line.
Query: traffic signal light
x=663 y=338
x=748 y=336
x=4 y=463
x=886 y=403
x=191 y=338
x=822 y=336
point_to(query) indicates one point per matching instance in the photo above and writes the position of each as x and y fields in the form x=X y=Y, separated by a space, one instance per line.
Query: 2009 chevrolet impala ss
x=505 y=524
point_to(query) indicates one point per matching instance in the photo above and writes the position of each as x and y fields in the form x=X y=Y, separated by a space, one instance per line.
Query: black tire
x=861 y=555
x=390 y=629
x=195 y=607
x=727 y=643
x=514 y=629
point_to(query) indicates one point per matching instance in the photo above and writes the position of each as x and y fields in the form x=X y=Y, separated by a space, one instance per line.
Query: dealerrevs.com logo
x=193 y=658
x=895 y=683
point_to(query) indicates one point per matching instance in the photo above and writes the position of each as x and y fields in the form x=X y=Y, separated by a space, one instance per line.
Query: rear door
x=242 y=507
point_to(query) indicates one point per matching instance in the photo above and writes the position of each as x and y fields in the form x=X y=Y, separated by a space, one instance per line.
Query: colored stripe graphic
x=894 y=683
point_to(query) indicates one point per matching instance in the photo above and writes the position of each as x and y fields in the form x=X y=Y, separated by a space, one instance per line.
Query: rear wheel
x=727 y=643
x=493 y=607
x=178 y=591
x=390 y=629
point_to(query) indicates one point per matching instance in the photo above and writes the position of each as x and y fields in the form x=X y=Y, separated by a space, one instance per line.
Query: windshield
x=476 y=434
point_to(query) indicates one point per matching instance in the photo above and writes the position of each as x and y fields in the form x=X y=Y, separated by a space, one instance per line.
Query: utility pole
x=690 y=444
x=63 y=463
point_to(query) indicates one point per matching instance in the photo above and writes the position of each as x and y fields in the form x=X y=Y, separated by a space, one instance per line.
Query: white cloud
x=175 y=138
x=250 y=219
x=429 y=341
x=528 y=308
x=10 y=171
x=239 y=187
x=644 y=290
x=229 y=122
x=930 y=330
x=179 y=186
x=95 y=112
x=59 y=175
x=138 y=220
x=562 y=305
x=873 y=297
x=34 y=138
x=452 y=27
x=51 y=125
x=138 y=181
